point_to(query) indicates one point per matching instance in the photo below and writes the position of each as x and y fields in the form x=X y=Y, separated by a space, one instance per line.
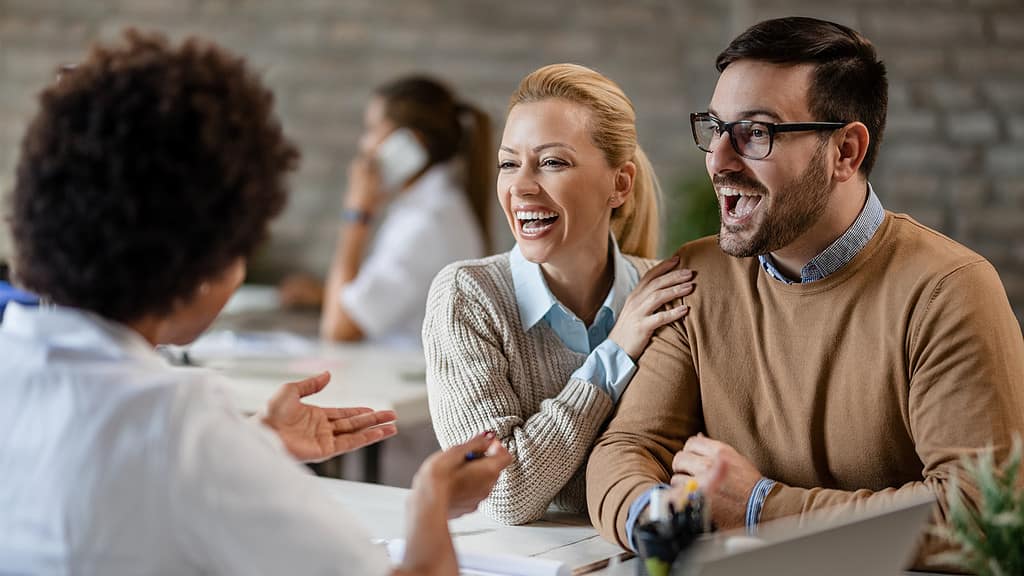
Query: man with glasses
x=838 y=356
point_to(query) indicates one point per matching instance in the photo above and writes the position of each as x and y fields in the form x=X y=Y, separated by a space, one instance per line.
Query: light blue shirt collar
x=536 y=301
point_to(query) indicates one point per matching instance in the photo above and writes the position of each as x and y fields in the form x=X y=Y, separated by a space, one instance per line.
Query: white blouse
x=426 y=227
x=114 y=462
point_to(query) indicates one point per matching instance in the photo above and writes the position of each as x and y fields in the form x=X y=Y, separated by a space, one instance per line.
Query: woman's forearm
x=335 y=322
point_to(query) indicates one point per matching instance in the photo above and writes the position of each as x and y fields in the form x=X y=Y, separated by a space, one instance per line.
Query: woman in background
x=425 y=168
x=145 y=180
x=538 y=344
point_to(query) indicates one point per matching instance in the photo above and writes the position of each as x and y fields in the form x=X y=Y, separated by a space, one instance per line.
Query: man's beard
x=794 y=210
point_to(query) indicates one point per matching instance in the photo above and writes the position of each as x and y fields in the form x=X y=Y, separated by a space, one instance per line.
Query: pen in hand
x=473 y=455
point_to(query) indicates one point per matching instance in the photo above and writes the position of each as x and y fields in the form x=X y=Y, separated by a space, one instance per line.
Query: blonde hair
x=613 y=131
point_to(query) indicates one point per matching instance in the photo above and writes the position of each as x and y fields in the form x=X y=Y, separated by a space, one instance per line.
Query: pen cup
x=662 y=553
x=664 y=544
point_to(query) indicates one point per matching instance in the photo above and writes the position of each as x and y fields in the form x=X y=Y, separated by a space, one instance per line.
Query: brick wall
x=954 y=155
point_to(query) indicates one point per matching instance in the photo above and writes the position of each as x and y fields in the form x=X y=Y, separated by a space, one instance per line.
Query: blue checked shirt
x=607 y=365
x=830 y=260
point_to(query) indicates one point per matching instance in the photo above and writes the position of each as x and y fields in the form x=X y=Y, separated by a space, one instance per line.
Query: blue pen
x=470 y=456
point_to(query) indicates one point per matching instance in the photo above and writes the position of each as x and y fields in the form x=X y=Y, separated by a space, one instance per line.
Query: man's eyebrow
x=748 y=114
x=760 y=112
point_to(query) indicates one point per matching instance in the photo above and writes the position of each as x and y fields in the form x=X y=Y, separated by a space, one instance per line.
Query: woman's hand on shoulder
x=462 y=476
x=645 y=309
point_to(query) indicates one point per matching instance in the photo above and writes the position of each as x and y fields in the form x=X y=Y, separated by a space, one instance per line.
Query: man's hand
x=726 y=478
x=312 y=433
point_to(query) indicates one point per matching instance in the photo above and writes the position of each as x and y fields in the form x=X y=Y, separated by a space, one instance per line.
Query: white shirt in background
x=426 y=227
x=115 y=463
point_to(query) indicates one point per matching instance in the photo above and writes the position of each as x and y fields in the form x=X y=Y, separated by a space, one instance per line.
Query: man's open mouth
x=739 y=203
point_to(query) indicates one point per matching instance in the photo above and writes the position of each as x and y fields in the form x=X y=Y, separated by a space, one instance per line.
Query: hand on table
x=460 y=485
x=311 y=433
x=300 y=291
x=725 y=476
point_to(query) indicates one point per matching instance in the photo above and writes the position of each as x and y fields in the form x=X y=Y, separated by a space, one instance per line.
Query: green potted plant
x=989 y=538
x=691 y=210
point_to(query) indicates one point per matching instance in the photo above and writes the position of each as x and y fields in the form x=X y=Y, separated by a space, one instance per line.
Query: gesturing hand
x=643 y=312
x=311 y=433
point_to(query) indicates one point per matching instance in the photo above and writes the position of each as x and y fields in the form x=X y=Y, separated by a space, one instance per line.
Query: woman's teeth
x=534 y=221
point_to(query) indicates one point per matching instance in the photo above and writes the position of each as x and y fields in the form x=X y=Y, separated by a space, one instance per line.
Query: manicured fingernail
x=490 y=434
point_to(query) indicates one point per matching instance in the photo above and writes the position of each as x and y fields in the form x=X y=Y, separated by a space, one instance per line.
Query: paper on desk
x=226 y=343
x=471 y=564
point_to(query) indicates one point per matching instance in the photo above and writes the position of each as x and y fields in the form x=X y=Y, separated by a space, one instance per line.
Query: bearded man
x=838 y=356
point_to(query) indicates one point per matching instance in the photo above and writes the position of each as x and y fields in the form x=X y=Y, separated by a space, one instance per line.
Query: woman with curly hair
x=145 y=181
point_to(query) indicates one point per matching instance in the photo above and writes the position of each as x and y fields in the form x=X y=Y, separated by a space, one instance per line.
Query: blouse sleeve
x=241 y=505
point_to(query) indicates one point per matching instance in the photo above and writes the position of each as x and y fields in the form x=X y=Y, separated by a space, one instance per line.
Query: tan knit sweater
x=485 y=373
x=851 y=392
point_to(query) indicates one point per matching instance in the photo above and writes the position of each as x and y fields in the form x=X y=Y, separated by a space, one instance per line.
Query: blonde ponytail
x=635 y=223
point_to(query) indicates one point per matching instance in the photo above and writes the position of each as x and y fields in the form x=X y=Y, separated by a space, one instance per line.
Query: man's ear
x=852 y=145
x=624 y=177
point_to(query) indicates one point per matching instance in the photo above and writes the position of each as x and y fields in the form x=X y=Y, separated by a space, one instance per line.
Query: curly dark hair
x=148 y=169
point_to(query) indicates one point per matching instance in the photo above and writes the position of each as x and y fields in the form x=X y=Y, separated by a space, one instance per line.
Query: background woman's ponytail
x=478 y=154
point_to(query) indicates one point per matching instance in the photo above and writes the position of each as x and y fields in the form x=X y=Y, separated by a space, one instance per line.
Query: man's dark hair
x=848 y=83
x=147 y=170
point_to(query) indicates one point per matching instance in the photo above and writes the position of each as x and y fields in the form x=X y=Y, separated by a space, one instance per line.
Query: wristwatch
x=356 y=216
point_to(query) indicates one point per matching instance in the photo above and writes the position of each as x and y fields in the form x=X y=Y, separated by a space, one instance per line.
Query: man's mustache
x=741 y=182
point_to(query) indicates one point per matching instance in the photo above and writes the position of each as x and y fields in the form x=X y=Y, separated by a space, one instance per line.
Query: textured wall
x=954 y=156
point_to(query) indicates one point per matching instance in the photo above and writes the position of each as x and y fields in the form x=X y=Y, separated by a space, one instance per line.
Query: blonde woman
x=537 y=344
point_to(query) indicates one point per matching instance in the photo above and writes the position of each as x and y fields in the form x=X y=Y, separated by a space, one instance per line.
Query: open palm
x=312 y=433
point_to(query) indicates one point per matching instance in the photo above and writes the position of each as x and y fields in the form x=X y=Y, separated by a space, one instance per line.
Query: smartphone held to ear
x=399 y=157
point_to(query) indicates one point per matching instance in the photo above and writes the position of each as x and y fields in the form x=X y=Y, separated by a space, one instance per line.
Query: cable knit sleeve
x=469 y=335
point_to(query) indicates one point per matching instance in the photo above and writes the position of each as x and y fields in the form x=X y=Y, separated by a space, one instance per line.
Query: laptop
x=880 y=543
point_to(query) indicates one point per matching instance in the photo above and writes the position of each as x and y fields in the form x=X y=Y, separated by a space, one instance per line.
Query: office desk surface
x=361 y=375
x=560 y=537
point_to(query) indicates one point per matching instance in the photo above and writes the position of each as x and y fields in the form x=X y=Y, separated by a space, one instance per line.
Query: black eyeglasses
x=750 y=138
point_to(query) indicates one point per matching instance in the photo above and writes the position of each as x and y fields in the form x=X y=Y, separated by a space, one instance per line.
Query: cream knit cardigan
x=485 y=373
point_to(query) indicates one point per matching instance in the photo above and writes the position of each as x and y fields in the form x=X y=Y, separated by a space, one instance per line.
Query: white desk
x=565 y=538
x=258 y=348
x=560 y=537
x=361 y=375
